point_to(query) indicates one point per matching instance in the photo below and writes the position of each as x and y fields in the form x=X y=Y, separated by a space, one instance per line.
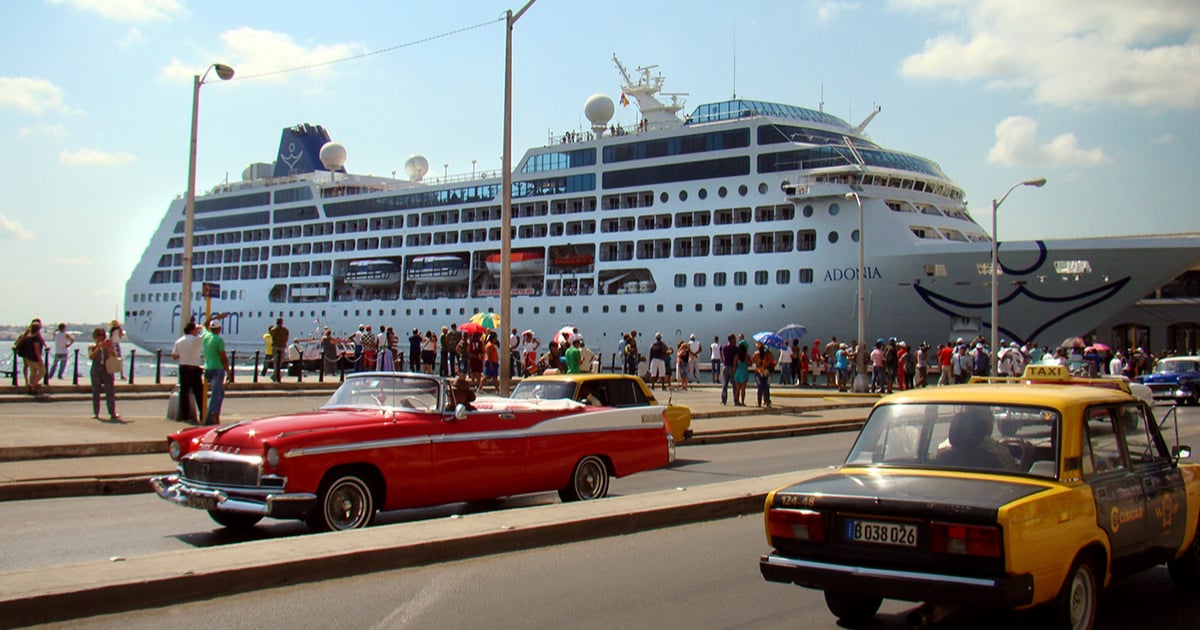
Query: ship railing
x=572 y=137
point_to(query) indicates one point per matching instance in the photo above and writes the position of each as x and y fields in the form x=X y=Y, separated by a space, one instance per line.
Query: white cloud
x=92 y=157
x=828 y=10
x=51 y=131
x=11 y=229
x=1072 y=53
x=127 y=10
x=263 y=54
x=1166 y=138
x=131 y=38
x=1017 y=145
x=34 y=96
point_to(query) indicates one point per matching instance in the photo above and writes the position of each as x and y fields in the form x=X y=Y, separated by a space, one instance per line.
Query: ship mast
x=657 y=114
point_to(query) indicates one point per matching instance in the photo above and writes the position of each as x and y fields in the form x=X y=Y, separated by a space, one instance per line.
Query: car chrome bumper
x=282 y=505
x=916 y=586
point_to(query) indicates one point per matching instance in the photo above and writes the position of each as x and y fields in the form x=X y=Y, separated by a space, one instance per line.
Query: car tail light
x=796 y=524
x=969 y=540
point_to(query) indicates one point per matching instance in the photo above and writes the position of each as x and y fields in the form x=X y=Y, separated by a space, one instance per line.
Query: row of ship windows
x=724 y=216
x=269 y=317
x=761 y=277
x=646 y=249
x=568 y=205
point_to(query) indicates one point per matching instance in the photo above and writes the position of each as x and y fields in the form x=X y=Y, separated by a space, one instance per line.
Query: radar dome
x=333 y=156
x=599 y=110
x=416 y=167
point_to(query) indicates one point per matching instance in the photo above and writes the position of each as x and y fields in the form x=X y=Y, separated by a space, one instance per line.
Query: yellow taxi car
x=936 y=504
x=608 y=390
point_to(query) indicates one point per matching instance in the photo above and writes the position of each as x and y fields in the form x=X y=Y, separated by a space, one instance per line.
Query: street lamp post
x=860 y=378
x=995 y=269
x=506 y=203
x=189 y=217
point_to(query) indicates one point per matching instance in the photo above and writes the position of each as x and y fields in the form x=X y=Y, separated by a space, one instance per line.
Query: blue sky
x=1098 y=96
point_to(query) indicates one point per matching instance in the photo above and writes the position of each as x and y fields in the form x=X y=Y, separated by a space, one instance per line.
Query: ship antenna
x=821 y=105
x=735 y=64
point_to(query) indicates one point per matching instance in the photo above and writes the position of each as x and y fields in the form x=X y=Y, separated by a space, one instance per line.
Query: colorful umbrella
x=568 y=333
x=792 y=331
x=770 y=340
x=1073 y=342
x=488 y=320
x=1098 y=347
x=472 y=327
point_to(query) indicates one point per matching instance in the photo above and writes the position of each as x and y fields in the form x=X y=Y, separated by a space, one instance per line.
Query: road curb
x=62 y=593
x=82 y=487
x=770 y=433
x=96 y=449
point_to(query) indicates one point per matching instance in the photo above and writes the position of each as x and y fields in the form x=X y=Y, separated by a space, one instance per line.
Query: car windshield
x=983 y=438
x=544 y=390
x=1176 y=367
x=386 y=392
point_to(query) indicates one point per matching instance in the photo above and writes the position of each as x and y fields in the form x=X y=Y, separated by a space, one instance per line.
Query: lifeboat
x=523 y=264
x=437 y=270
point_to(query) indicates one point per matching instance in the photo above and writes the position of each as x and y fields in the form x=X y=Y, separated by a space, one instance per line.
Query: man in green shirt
x=572 y=355
x=216 y=370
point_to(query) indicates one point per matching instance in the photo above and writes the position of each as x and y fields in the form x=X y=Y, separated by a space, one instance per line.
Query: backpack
x=27 y=348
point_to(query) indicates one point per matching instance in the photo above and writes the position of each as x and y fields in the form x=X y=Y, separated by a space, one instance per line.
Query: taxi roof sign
x=1047 y=372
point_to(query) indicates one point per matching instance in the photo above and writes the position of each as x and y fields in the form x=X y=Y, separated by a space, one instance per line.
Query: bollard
x=232 y=364
x=255 y=380
x=46 y=363
x=14 y=368
x=132 y=358
x=321 y=370
x=75 y=376
x=158 y=367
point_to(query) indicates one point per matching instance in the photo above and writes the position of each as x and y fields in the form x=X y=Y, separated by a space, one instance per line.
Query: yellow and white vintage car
x=936 y=503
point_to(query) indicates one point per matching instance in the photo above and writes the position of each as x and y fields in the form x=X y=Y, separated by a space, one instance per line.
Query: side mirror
x=1183 y=451
x=460 y=412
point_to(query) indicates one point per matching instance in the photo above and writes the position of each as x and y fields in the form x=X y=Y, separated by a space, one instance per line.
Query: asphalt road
x=63 y=531
x=697 y=576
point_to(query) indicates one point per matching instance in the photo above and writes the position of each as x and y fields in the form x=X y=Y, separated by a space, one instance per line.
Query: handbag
x=114 y=365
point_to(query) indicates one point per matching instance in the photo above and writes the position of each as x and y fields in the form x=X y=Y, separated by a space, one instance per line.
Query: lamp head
x=226 y=73
x=1039 y=182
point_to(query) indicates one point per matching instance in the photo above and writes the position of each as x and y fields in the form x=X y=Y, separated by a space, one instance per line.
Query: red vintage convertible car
x=387 y=441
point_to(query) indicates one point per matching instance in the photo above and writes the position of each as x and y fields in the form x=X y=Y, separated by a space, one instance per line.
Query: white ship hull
x=669 y=247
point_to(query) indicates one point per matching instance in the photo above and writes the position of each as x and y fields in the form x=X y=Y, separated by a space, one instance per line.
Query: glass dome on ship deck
x=740 y=108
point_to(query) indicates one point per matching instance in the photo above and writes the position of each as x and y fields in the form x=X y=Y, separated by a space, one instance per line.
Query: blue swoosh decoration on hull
x=959 y=308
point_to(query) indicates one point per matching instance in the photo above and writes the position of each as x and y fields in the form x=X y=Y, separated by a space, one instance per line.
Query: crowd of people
x=104 y=353
x=471 y=354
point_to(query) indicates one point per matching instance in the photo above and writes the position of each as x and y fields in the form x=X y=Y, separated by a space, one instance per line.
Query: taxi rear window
x=1007 y=439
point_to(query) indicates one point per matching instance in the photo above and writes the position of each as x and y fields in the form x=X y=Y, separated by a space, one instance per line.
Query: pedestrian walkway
x=55 y=448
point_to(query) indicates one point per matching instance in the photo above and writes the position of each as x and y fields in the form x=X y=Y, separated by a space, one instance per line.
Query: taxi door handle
x=1102 y=493
x=508 y=416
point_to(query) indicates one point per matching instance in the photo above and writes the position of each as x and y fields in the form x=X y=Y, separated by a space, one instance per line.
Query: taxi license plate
x=881 y=532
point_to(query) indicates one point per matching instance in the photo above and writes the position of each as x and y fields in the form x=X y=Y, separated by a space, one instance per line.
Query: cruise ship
x=738 y=217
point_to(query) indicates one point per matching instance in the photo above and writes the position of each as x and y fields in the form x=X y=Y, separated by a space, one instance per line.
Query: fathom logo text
x=851 y=273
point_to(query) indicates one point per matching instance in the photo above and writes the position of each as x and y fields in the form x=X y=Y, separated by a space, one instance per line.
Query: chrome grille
x=220 y=471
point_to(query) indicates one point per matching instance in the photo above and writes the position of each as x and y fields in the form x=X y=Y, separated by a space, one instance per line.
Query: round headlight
x=174 y=449
x=272 y=457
